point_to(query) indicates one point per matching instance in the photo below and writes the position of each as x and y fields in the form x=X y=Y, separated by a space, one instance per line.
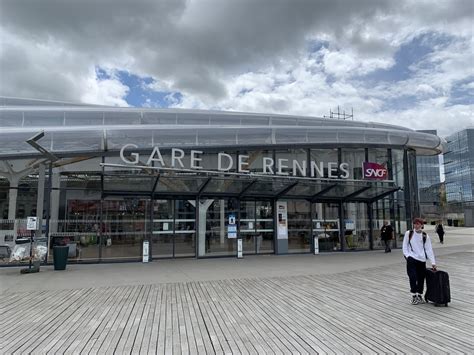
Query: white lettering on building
x=176 y=156
x=195 y=160
x=230 y=162
x=225 y=162
x=243 y=161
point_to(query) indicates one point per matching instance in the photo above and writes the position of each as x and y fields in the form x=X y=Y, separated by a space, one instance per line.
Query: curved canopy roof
x=76 y=128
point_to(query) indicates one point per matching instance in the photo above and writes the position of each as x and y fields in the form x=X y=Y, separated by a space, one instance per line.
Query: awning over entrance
x=174 y=184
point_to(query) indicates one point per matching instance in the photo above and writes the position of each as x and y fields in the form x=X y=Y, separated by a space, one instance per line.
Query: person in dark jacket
x=386 y=234
x=440 y=232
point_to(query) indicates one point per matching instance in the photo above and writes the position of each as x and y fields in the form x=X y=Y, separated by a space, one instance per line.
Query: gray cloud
x=205 y=49
x=177 y=40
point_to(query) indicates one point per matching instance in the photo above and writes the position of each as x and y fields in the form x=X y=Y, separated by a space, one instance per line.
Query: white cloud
x=425 y=89
x=242 y=55
x=347 y=64
x=105 y=92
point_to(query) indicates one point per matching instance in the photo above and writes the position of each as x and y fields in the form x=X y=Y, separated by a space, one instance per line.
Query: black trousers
x=441 y=237
x=387 y=245
x=416 y=271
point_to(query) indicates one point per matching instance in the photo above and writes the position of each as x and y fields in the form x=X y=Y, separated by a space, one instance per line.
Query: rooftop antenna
x=341 y=115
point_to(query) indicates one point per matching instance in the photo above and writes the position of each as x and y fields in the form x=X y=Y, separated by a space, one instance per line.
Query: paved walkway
x=341 y=303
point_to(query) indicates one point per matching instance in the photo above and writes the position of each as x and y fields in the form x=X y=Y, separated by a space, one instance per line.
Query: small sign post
x=146 y=251
x=239 y=248
x=31 y=225
x=316 y=245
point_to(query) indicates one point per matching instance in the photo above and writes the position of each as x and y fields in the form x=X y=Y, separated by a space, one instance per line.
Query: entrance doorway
x=174 y=229
x=326 y=226
x=214 y=236
x=256 y=227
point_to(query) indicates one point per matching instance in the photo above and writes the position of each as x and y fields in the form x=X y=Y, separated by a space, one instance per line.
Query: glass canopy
x=170 y=184
x=79 y=129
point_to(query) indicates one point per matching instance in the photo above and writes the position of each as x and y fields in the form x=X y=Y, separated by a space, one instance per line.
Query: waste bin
x=60 y=254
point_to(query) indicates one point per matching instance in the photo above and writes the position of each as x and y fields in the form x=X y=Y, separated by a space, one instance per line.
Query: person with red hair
x=417 y=249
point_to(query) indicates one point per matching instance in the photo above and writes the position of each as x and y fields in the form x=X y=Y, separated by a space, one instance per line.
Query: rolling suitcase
x=437 y=287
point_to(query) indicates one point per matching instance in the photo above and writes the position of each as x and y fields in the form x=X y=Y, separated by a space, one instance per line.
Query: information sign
x=232 y=227
x=31 y=223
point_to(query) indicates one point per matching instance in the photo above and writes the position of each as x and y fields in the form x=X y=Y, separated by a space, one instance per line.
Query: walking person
x=386 y=234
x=440 y=232
x=417 y=249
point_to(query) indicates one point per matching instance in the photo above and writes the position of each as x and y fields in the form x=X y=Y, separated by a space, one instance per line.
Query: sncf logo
x=374 y=171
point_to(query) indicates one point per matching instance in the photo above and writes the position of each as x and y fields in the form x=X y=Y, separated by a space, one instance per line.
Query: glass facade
x=459 y=167
x=427 y=168
x=429 y=184
x=105 y=211
x=192 y=183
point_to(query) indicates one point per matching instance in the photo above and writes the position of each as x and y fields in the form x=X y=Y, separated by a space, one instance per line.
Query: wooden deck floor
x=352 y=312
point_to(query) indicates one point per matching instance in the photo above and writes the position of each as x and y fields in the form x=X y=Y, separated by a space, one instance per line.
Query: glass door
x=325 y=221
x=256 y=227
x=174 y=228
x=124 y=227
x=185 y=228
x=299 y=226
x=356 y=225
x=215 y=236
x=163 y=229
x=248 y=226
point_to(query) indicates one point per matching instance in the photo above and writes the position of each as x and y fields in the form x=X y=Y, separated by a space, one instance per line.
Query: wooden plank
x=96 y=328
x=155 y=321
x=117 y=329
x=202 y=337
x=360 y=311
x=104 y=338
x=129 y=334
x=32 y=328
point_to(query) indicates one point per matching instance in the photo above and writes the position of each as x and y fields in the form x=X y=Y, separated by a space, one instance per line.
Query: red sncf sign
x=374 y=171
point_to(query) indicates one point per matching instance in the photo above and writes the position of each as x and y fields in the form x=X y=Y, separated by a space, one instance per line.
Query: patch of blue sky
x=101 y=74
x=462 y=93
x=410 y=55
x=140 y=94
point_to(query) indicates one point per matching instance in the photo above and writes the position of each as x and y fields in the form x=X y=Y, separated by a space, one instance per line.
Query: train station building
x=193 y=183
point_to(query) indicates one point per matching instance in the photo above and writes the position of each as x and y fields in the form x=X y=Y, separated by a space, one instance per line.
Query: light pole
x=33 y=141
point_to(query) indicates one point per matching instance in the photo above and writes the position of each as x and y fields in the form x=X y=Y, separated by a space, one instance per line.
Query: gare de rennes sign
x=177 y=159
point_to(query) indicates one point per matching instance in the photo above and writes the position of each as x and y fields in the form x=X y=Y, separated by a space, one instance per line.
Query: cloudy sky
x=400 y=61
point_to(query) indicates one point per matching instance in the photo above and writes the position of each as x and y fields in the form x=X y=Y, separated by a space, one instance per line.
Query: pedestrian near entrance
x=386 y=234
x=440 y=232
x=417 y=249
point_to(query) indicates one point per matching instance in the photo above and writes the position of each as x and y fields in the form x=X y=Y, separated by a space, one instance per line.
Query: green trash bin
x=60 y=254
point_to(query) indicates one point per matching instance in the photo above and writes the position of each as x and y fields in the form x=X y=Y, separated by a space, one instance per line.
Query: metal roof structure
x=72 y=129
